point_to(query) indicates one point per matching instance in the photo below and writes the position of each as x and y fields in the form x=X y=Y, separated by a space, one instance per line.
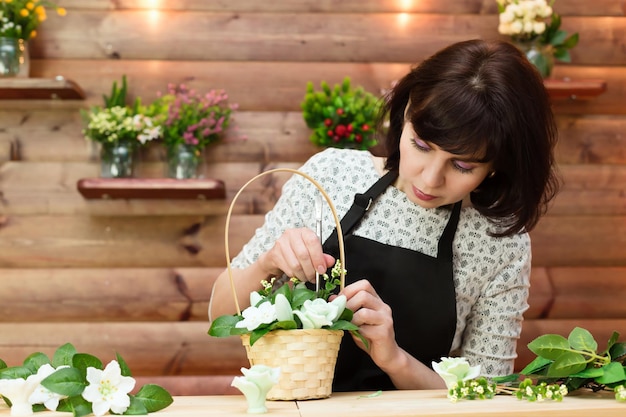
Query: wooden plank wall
x=134 y=277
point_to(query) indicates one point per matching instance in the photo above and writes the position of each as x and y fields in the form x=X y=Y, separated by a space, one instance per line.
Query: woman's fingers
x=298 y=253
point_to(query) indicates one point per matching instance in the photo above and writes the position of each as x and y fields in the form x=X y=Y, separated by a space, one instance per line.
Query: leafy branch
x=575 y=362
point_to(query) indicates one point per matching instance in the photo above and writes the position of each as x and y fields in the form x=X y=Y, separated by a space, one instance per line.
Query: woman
x=436 y=234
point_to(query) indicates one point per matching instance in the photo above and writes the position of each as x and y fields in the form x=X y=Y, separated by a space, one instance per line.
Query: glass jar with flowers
x=119 y=129
x=190 y=121
x=19 y=20
x=525 y=22
x=341 y=117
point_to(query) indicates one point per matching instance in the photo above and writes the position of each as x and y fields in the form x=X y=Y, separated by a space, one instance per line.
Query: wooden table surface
x=390 y=403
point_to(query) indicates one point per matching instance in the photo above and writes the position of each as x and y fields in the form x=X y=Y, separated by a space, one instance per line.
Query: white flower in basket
x=292 y=326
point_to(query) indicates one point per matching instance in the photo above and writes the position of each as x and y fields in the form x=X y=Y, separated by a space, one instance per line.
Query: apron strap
x=444 y=250
x=362 y=203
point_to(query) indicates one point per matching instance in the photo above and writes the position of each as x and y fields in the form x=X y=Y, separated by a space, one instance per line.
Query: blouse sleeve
x=495 y=321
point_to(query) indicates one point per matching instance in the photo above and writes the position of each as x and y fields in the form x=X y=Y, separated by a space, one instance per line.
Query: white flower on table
x=18 y=390
x=318 y=313
x=108 y=389
x=455 y=370
x=41 y=394
x=255 y=384
x=253 y=316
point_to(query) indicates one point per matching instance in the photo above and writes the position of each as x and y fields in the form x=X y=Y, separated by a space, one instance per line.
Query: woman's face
x=432 y=177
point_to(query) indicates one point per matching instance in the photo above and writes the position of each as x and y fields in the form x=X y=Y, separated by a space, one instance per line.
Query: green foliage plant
x=342 y=116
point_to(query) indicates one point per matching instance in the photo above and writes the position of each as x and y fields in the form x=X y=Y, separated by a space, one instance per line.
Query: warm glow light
x=151 y=4
x=402 y=19
x=405 y=5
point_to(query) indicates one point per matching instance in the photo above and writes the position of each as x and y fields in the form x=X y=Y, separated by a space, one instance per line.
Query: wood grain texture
x=149 y=348
x=565 y=7
x=282 y=87
x=287 y=36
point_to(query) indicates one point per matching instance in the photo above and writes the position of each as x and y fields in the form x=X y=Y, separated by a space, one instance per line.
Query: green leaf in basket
x=65 y=381
x=222 y=325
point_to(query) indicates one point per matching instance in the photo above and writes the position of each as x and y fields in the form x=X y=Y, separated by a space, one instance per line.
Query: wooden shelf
x=151 y=188
x=57 y=88
x=567 y=89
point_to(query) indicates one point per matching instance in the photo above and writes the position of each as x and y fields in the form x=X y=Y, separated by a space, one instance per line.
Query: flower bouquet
x=190 y=121
x=292 y=327
x=19 y=20
x=120 y=130
x=78 y=383
x=524 y=22
x=341 y=117
x=562 y=365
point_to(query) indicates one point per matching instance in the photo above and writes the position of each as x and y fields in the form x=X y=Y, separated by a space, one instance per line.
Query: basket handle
x=332 y=209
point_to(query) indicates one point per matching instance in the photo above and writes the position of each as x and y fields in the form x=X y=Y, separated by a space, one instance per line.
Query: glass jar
x=183 y=161
x=541 y=56
x=117 y=160
x=12 y=56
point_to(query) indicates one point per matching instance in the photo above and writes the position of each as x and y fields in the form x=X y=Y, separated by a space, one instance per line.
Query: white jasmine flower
x=454 y=370
x=108 y=389
x=253 y=316
x=41 y=394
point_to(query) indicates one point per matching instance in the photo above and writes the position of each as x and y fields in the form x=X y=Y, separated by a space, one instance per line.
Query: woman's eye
x=421 y=145
x=462 y=166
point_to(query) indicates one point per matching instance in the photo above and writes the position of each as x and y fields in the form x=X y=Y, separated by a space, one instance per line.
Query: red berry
x=350 y=127
x=340 y=130
x=336 y=138
x=340 y=111
x=328 y=122
x=358 y=138
x=330 y=133
x=365 y=127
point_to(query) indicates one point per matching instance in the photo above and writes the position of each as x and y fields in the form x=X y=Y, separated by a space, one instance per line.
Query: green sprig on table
x=574 y=362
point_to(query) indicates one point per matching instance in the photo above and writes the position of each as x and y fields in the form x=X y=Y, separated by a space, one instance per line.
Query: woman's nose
x=433 y=175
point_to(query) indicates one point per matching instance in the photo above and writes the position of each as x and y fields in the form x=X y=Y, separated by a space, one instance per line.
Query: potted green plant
x=190 y=121
x=525 y=22
x=342 y=116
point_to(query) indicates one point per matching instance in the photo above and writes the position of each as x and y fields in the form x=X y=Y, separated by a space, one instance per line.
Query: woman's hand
x=296 y=253
x=375 y=322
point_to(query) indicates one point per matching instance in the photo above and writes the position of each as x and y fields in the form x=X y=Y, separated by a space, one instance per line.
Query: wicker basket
x=306 y=358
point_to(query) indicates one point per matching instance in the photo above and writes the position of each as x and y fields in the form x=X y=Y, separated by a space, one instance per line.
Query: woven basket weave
x=306 y=358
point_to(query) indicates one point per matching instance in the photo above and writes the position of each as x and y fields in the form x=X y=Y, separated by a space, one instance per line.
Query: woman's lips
x=423 y=196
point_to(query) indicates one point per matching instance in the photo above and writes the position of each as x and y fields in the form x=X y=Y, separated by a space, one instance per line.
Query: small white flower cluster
x=620 y=393
x=118 y=123
x=523 y=19
x=479 y=388
x=540 y=392
x=107 y=390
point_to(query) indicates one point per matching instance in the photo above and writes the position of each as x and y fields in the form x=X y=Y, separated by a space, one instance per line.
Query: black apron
x=419 y=288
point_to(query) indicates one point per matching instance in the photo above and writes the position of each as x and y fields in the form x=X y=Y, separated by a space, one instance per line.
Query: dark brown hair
x=483 y=98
